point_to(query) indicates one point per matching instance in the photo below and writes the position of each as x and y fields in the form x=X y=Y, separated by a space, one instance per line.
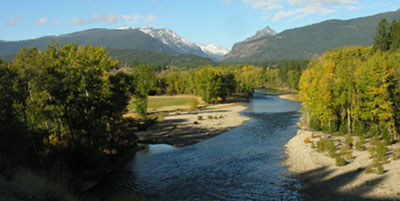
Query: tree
x=395 y=35
x=144 y=80
x=382 y=38
x=76 y=83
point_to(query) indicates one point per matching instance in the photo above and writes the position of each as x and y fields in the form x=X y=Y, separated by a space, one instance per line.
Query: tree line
x=63 y=104
x=67 y=102
x=357 y=89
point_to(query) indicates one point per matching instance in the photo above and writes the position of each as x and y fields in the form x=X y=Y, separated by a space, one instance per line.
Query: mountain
x=134 y=57
x=267 y=31
x=115 y=39
x=182 y=46
x=156 y=40
x=304 y=42
x=213 y=51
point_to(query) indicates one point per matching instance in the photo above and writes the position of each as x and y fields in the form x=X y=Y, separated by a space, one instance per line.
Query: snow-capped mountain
x=213 y=51
x=183 y=46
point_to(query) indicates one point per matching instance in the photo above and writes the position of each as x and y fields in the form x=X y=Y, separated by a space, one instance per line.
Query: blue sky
x=221 y=22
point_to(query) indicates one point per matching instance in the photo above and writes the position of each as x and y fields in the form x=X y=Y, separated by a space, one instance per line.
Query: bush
x=343 y=128
x=360 y=144
x=348 y=141
x=210 y=117
x=369 y=169
x=315 y=124
x=313 y=135
x=194 y=104
x=340 y=160
x=313 y=145
x=199 y=117
x=327 y=145
x=380 y=169
x=307 y=140
x=396 y=154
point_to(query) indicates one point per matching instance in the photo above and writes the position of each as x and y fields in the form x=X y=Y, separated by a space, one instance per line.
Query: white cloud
x=57 y=22
x=227 y=1
x=350 y=8
x=12 y=21
x=110 y=19
x=137 y=18
x=150 y=18
x=41 y=21
x=265 y=4
x=297 y=9
x=114 y=19
x=78 y=21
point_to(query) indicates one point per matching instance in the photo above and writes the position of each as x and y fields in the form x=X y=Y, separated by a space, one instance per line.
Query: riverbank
x=181 y=128
x=292 y=97
x=323 y=180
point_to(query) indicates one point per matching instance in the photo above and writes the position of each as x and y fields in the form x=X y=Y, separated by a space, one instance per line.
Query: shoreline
x=180 y=129
x=322 y=180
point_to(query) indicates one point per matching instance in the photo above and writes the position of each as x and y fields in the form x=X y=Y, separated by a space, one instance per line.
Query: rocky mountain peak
x=267 y=31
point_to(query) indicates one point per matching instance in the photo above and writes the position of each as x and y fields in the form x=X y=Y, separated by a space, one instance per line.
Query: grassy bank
x=157 y=102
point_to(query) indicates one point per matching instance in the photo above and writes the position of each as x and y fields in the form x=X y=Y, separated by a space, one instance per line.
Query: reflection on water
x=241 y=164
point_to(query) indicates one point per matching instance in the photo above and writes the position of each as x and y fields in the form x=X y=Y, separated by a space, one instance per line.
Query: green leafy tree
x=144 y=80
x=76 y=81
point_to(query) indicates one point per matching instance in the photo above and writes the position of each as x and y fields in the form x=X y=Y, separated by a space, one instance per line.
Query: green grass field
x=156 y=102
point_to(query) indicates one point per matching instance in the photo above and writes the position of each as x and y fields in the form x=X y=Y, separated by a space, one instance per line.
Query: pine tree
x=382 y=38
x=395 y=35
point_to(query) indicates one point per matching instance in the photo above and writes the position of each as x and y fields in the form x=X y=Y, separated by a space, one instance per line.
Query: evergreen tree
x=382 y=38
x=395 y=35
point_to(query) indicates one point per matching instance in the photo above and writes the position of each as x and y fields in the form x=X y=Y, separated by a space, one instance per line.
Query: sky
x=220 y=22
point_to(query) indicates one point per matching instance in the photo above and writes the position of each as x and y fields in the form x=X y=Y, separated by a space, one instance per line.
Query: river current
x=244 y=163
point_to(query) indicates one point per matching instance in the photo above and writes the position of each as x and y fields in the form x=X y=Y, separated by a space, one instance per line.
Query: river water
x=241 y=164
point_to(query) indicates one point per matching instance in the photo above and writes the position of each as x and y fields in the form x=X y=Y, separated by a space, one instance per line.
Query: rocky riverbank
x=323 y=180
x=181 y=128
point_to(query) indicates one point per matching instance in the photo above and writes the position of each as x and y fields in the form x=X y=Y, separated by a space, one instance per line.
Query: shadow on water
x=316 y=187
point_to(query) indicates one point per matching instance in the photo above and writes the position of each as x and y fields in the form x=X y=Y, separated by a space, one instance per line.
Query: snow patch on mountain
x=183 y=46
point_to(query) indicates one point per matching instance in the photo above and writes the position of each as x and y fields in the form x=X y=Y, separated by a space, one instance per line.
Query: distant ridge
x=304 y=42
x=156 y=40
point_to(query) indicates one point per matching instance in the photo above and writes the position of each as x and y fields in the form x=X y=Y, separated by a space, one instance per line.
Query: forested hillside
x=158 y=59
x=304 y=42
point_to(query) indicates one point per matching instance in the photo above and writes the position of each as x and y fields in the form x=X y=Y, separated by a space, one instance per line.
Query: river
x=241 y=164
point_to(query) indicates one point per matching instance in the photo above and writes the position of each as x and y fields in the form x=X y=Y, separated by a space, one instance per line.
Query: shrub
x=199 y=117
x=340 y=160
x=215 y=117
x=313 y=145
x=194 y=104
x=348 y=155
x=369 y=169
x=221 y=116
x=328 y=146
x=343 y=128
x=360 y=145
x=396 y=154
x=307 y=140
x=315 y=124
x=380 y=169
x=210 y=117
x=313 y=135
x=348 y=141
